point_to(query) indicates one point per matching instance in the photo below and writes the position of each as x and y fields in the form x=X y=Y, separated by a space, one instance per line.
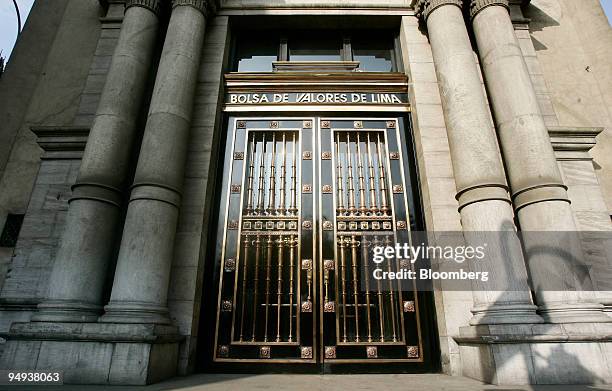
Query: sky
x=8 y=21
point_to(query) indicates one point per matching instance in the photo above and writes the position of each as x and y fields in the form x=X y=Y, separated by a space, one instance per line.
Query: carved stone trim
x=572 y=143
x=478 y=5
x=482 y=192
x=61 y=142
x=200 y=5
x=540 y=193
x=426 y=7
x=152 y=5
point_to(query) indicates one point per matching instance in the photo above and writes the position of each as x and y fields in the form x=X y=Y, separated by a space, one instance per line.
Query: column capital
x=426 y=7
x=204 y=6
x=478 y=5
x=152 y=5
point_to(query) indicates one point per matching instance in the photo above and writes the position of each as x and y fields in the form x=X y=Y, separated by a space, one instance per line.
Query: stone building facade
x=143 y=237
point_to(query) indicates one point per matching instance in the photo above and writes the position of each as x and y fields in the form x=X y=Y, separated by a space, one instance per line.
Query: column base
x=505 y=314
x=66 y=311
x=574 y=313
x=135 y=312
x=576 y=353
x=94 y=353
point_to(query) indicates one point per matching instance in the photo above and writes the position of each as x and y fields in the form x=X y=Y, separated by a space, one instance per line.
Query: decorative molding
x=306 y=352
x=61 y=142
x=486 y=191
x=412 y=351
x=152 y=5
x=200 y=5
x=516 y=14
x=264 y=352
x=315 y=66
x=478 y=5
x=426 y=7
x=540 y=193
x=573 y=143
x=372 y=352
x=223 y=351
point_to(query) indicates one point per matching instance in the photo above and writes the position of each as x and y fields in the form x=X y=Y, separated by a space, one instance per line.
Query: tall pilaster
x=140 y=288
x=482 y=191
x=540 y=198
x=86 y=247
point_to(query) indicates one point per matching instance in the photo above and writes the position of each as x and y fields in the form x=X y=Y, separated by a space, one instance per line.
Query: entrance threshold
x=425 y=382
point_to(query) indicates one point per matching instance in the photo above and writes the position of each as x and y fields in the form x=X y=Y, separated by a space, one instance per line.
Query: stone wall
x=17 y=87
x=435 y=176
x=23 y=71
x=573 y=43
x=186 y=291
x=55 y=100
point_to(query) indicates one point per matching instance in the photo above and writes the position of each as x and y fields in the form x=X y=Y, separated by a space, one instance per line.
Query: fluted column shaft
x=539 y=195
x=142 y=276
x=482 y=191
x=87 y=245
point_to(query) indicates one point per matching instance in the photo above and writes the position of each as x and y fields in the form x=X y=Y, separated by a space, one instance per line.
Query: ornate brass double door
x=303 y=201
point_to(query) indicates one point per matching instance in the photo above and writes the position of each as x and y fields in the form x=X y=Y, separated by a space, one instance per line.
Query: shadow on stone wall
x=539 y=21
x=559 y=364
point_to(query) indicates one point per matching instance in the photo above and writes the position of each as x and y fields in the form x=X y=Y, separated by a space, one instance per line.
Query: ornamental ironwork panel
x=266 y=294
x=368 y=207
x=303 y=202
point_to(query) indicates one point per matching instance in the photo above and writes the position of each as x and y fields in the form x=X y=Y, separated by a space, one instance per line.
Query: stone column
x=482 y=191
x=140 y=288
x=539 y=195
x=87 y=245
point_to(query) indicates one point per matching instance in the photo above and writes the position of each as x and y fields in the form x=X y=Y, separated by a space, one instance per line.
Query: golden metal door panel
x=303 y=201
x=267 y=280
x=364 y=204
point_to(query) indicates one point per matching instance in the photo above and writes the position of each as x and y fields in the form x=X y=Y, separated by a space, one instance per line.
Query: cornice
x=573 y=143
x=61 y=142
x=478 y=5
x=426 y=7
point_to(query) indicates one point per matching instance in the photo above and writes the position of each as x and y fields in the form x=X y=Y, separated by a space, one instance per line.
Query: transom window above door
x=263 y=50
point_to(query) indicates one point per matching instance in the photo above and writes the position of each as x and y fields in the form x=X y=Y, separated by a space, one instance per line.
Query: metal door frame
x=316 y=132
